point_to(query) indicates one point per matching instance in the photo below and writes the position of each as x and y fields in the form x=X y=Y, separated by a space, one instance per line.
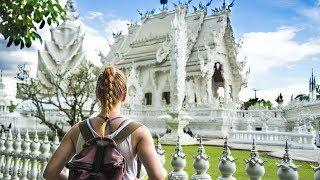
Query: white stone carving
x=287 y=170
x=255 y=168
x=63 y=54
x=227 y=164
x=163 y=52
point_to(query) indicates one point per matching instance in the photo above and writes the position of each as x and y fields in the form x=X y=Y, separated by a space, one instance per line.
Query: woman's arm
x=61 y=156
x=148 y=155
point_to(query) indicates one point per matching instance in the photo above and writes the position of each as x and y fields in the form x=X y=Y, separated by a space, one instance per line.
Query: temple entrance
x=217 y=79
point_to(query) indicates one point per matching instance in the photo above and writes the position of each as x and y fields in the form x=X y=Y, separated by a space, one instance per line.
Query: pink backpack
x=99 y=158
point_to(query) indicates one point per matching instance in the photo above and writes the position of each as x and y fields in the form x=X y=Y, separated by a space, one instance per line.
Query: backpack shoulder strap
x=126 y=131
x=85 y=131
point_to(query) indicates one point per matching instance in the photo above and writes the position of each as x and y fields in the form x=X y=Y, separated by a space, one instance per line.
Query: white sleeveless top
x=125 y=149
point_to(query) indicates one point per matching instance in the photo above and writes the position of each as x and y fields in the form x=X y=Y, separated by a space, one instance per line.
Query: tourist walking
x=107 y=138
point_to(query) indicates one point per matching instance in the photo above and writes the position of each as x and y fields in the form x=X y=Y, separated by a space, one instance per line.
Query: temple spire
x=71 y=10
x=312 y=87
x=0 y=75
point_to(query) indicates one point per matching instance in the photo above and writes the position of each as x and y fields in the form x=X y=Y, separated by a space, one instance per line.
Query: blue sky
x=281 y=39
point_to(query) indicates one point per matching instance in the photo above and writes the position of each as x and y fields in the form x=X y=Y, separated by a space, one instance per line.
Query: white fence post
x=45 y=154
x=160 y=151
x=287 y=170
x=254 y=167
x=201 y=164
x=17 y=159
x=2 y=155
x=35 y=146
x=55 y=143
x=25 y=157
x=227 y=165
x=316 y=172
x=7 y=167
x=178 y=163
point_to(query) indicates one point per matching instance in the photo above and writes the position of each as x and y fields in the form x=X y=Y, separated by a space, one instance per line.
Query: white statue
x=63 y=54
x=178 y=58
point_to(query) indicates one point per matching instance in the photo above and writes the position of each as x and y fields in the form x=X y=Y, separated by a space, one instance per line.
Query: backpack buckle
x=103 y=143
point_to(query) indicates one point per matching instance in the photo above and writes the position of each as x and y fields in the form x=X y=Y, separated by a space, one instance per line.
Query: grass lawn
x=305 y=172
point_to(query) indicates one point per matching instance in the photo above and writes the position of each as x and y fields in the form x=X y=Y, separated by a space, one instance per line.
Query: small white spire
x=0 y=75
x=71 y=10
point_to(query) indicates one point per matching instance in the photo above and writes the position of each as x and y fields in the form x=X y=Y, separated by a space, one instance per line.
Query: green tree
x=302 y=97
x=20 y=20
x=72 y=95
x=12 y=107
x=253 y=101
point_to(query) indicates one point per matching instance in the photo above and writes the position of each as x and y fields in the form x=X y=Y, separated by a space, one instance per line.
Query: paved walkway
x=274 y=151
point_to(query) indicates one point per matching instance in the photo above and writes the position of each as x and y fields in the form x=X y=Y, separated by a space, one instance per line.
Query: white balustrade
x=24 y=159
x=299 y=140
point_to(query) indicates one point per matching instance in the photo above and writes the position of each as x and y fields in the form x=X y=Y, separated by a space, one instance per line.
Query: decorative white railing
x=25 y=158
x=303 y=140
x=255 y=170
x=259 y=113
x=145 y=112
x=206 y=112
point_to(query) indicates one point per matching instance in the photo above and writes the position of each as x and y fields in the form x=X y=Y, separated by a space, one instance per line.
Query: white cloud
x=93 y=44
x=115 y=26
x=94 y=15
x=12 y=58
x=266 y=50
x=311 y=13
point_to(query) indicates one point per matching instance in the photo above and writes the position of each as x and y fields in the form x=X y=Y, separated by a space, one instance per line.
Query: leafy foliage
x=12 y=107
x=254 y=101
x=71 y=95
x=302 y=97
x=20 y=20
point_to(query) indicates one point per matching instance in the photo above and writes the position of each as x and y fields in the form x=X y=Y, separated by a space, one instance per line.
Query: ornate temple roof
x=150 y=40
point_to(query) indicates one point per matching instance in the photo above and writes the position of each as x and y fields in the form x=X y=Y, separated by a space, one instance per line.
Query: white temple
x=214 y=76
x=145 y=53
x=183 y=60
x=64 y=53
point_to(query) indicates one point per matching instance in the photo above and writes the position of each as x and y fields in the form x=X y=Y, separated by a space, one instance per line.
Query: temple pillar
x=209 y=94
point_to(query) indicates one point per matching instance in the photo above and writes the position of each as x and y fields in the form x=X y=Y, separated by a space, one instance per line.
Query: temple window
x=258 y=128
x=166 y=97
x=217 y=79
x=148 y=98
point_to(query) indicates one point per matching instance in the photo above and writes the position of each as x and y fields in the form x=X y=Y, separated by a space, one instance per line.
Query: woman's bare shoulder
x=74 y=132
x=142 y=130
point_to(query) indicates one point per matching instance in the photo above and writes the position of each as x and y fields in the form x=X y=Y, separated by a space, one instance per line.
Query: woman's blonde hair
x=110 y=89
